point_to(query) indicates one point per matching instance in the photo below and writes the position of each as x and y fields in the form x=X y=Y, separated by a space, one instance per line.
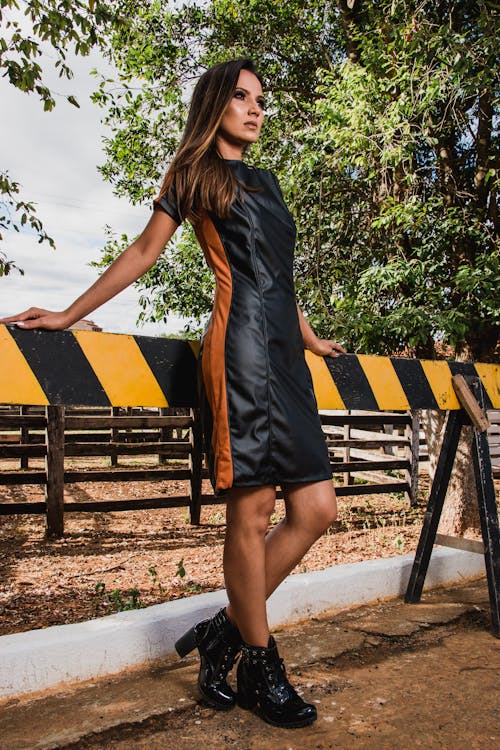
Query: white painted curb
x=39 y=659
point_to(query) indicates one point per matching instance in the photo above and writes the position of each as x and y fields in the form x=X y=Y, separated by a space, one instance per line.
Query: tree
x=372 y=131
x=382 y=132
x=401 y=167
x=64 y=25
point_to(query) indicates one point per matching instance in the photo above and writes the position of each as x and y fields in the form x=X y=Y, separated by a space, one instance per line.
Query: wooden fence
x=370 y=452
x=61 y=369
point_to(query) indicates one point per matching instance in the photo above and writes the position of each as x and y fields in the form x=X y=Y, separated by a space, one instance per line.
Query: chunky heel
x=218 y=642
x=186 y=643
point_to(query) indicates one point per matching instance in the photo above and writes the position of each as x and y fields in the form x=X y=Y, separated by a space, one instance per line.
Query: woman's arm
x=322 y=347
x=130 y=265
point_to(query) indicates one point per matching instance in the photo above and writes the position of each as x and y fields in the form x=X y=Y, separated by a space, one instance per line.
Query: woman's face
x=241 y=122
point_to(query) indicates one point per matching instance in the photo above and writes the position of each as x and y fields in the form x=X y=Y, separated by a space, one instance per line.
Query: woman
x=260 y=417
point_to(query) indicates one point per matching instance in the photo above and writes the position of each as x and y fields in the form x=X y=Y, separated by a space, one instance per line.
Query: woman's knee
x=316 y=512
x=326 y=512
x=250 y=509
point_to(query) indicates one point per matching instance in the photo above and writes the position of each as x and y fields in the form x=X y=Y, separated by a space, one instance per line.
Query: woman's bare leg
x=248 y=511
x=310 y=509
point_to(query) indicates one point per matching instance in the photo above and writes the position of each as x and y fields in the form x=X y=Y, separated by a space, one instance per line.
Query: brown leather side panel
x=213 y=358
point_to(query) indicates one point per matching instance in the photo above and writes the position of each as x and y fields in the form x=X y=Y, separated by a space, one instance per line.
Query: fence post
x=54 y=465
x=195 y=464
x=389 y=449
x=114 y=436
x=24 y=438
x=347 y=451
x=413 y=434
x=165 y=434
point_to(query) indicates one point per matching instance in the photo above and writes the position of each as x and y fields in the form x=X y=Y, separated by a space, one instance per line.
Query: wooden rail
x=55 y=433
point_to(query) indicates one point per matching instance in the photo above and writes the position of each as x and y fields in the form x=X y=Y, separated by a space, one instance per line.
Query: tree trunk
x=350 y=17
x=485 y=122
x=460 y=515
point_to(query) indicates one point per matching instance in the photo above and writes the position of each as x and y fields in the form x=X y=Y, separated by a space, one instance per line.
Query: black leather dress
x=260 y=418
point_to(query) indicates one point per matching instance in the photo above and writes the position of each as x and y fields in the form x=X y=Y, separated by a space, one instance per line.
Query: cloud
x=54 y=155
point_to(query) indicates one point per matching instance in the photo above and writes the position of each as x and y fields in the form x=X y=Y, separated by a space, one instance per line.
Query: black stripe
x=351 y=381
x=173 y=364
x=467 y=369
x=414 y=383
x=60 y=367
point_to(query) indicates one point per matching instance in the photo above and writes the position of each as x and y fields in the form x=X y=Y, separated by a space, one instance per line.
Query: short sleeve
x=168 y=202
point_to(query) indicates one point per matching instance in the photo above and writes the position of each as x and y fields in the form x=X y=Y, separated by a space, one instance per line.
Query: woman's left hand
x=327 y=348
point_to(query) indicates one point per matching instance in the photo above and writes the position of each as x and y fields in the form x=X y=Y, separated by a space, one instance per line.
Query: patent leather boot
x=218 y=642
x=263 y=685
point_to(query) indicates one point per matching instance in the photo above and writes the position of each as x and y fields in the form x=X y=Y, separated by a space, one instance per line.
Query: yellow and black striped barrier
x=365 y=381
x=87 y=368
x=106 y=369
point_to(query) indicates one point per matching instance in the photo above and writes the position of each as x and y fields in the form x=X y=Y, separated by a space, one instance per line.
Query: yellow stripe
x=384 y=382
x=490 y=375
x=122 y=369
x=327 y=393
x=438 y=375
x=18 y=384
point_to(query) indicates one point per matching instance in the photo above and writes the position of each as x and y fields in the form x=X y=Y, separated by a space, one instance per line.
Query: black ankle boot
x=263 y=684
x=218 y=642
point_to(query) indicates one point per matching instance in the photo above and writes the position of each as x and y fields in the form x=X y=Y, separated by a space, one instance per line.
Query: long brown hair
x=200 y=178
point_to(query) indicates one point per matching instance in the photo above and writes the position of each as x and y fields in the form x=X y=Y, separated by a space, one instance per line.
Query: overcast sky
x=54 y=155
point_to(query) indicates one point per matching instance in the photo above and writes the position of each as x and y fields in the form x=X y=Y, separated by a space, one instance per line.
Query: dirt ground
x=385 y=676
x=111 y=561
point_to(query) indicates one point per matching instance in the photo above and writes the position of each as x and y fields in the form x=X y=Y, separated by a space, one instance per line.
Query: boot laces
x=219 y=632
x=219 y=620
x=226 y=663
x=276 y=670
x=277 y=677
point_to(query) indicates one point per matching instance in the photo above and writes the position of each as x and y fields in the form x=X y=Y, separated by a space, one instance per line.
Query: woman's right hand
x=36 y=317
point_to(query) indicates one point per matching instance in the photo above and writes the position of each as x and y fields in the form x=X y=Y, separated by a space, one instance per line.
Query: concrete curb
x=40 y=659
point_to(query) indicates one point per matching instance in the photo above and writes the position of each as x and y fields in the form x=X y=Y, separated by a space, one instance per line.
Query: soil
x=365 y=668
x=377 y=706
x=383 y=676
x=111 y=561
